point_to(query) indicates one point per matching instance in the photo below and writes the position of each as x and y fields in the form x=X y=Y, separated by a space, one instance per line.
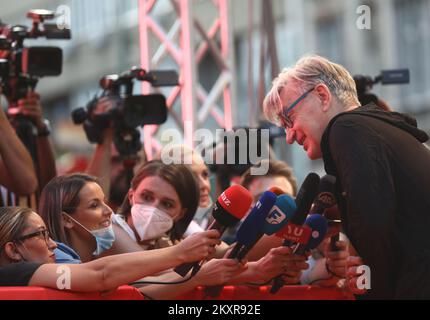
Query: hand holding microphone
x=198 y=246
x=218 y=272
x=352 y=276
x=229 y=209
x=278 y=261
x=250 y=231
x=336 y=260
x=318 y=226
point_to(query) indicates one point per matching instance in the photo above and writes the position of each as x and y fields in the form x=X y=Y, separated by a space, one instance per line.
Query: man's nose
x=290 y=135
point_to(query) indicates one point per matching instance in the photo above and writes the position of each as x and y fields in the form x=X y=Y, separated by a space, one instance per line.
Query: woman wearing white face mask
x=160 y=205
x=158 y=209
x=181 y=154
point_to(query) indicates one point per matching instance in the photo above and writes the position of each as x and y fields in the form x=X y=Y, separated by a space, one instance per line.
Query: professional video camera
x=21 y=67
x=365 y=84
x=126 y=111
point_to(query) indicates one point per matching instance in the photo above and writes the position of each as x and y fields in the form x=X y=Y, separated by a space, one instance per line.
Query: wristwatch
x=45 y=130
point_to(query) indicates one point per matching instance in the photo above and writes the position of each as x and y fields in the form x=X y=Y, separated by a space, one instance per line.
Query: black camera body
x=364 y=84
x=21 y=67
x=127 y=112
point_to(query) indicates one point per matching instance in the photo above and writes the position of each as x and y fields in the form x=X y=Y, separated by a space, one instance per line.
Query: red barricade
x=262 y=293
x=228 y=293
x=38 y=293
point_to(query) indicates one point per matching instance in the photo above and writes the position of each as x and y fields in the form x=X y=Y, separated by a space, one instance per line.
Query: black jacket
x=383 y=189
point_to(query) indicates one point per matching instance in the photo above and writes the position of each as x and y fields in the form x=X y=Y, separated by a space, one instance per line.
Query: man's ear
x=67 y=222
x=324 y=95
x=11 y=252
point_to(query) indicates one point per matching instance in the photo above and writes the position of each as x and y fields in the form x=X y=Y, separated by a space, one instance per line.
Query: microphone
x=228 y=210
x=249 y=232
x=304 y=199
x=325 y=198
x=318 y=226
x=276 y=190
x=252 y=229
x=281 y=213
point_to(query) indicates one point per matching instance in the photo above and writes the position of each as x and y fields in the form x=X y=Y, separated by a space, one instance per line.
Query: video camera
x=21 y=67
x=126 y=111
x=365 y=84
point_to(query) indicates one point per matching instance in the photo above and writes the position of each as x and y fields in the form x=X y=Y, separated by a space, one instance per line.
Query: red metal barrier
x=262 y=293
x=130 y=293
x=39 y=293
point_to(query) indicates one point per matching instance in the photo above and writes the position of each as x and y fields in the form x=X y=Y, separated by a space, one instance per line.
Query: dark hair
x=13 y=221
x=276 y=168
x=182 y=179
x=61 y=194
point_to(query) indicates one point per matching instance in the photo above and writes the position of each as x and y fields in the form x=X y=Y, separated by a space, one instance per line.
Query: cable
x=192 y=275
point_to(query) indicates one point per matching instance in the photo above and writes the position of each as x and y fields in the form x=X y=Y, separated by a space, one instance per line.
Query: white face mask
x=150 y=222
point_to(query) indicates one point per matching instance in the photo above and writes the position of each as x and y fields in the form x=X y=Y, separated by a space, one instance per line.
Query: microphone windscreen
x=232 y=205
x=252 y=227
x=281 y=213
x=305 y=198
x=326 y=194
x=276 y=190
x=318 y=224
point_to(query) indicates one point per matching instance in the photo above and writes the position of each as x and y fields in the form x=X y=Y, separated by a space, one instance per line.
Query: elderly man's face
x=309 y=120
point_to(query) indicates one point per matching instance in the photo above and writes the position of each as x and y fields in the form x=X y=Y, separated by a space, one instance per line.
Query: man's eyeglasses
x=42 y=234
x=286 y=121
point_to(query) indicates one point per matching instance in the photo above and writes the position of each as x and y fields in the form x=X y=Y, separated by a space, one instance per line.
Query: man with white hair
x=381 y=166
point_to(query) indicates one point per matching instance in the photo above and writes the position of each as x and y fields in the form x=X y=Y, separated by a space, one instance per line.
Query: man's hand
x=352 y=264
x=336 y=260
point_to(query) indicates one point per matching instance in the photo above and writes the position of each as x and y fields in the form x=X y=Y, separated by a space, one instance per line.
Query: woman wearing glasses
x=27 y=256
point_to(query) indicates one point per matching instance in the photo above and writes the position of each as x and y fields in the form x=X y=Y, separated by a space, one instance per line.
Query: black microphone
x=304 y=200
x=326 y=194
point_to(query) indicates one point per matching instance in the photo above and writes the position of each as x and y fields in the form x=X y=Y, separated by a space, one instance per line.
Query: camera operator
x=104 y=164
x=31 y=108
x=16 y=167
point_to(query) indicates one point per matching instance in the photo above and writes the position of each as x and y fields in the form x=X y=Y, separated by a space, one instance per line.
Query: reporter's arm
x=107 y=273
x=213 y=272
x=263 y=246
x=46 y=164
x=16 y=166
x=100 y=163
x=278 y=261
